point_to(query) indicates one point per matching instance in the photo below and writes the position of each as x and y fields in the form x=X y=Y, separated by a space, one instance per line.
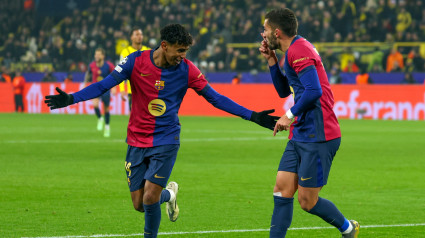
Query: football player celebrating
x=314 y=136
x=159 y=80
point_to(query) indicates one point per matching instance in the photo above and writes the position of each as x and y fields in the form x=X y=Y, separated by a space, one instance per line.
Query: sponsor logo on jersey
x=159 y=84
x=298 y=60
x=157 y=107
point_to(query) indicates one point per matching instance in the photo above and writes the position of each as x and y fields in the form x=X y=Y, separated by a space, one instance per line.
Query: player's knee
x=139 y=207
x=306 y=202
x=281 y=191
x=150 y=198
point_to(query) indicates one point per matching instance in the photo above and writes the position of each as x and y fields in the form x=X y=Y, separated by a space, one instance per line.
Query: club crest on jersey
x=157 y=107
x=159 y=84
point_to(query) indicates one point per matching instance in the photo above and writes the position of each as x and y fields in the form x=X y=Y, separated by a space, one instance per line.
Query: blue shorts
x=106 y=98
x=153 y=164
x=311 y=161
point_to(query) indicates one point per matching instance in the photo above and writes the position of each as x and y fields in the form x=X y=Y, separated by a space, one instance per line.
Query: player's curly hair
x=176 y=33
x=284 y=19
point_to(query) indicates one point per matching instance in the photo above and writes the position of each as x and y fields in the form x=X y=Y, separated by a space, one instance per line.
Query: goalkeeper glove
x=264 y=119
x=59 y=101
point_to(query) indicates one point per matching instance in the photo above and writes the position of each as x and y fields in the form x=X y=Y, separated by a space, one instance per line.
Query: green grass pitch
x=60 y=177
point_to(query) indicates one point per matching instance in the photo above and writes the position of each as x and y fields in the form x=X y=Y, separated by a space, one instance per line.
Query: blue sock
x=282 y=216
x=107 y=116
x=152 y=220
x=165 y=196
x=97 y=112
x=326 y=210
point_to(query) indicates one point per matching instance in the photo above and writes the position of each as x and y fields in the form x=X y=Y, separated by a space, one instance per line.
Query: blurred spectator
x=18 y=91
x=327 y=33
x=404 y=19
x=351 y=67
x=70 y=40
x=237 y=79
x=329 y=58
x=68 y=78
x=376 y=61
x=346 y=56
x=335 y=77
x=395 y=61
x=408 y=79
x=414 y=62
x=4 y=75
x=44 y=57
x=363 y=78
x=48 y=77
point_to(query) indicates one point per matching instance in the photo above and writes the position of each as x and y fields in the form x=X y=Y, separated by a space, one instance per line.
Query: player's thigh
x=137 y=199
x=161 y=163
x=286 y=179
x=135 y=167
x=316 y=161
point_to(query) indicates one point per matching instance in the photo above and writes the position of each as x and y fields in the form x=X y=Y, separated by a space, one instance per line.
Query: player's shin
x=165 y=196
x=282 y=215
x=152 y=220
x=326 y=210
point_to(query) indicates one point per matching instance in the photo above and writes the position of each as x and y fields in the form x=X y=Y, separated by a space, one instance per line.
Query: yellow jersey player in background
x=136 y=38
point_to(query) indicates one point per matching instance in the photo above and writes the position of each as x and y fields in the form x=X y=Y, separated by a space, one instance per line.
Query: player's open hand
x=282 y=124
x=264 y=119
x=59 y=101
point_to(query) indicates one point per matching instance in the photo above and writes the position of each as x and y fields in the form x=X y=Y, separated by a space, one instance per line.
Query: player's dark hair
x=284 y=19
x=135 y=28
x=176 y=33
x=101 y=50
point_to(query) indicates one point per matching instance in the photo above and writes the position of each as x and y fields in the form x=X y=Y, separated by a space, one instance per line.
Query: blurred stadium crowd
x=30 y=41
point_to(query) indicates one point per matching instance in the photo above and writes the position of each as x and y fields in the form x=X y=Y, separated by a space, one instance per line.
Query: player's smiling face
x=270 y=34
x=175 y=53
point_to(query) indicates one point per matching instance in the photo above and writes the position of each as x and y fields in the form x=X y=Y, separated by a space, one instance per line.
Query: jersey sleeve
x=197 y=80
x=125 y=67
x=300 y=57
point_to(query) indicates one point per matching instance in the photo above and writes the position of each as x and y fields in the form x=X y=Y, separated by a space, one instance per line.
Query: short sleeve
x=300 y=57
x=125 y=67
x=197 y=80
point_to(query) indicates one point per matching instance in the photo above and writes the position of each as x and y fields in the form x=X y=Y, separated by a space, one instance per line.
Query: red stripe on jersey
x=141 y=125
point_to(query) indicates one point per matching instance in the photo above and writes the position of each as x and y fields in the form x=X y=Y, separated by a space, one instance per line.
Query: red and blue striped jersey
x=318 y=122
x=157 y=94
x=99 y=73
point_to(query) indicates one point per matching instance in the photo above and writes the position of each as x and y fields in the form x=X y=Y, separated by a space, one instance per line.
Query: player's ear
x=164 y=45
x=277 y=32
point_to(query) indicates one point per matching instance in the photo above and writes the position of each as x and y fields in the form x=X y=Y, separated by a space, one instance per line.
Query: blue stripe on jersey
x=319 y=177
x=306 y=108
x=167 y=126
x=280 y=81
x=312 y=90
